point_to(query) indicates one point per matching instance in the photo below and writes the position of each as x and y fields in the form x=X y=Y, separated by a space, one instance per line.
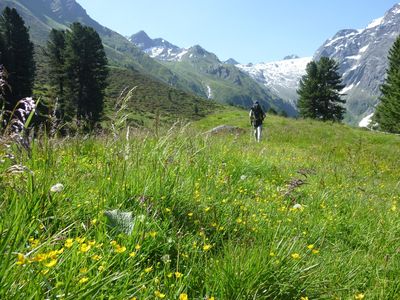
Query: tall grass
x=309 y=213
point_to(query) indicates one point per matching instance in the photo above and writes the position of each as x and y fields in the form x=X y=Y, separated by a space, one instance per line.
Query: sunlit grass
x=311 y=211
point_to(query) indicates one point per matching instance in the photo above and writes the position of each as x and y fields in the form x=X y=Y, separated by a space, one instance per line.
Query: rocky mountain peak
x=231 y=61
x=292 y=56
x=141 y=40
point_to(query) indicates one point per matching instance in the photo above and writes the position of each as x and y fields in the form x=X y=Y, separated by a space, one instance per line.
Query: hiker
x=257 y=117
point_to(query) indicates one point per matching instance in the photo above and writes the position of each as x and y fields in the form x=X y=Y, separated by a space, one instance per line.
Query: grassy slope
x=211 y=215
x=151 y=97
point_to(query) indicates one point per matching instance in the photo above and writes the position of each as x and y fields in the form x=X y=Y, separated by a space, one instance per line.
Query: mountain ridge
x=212 y=78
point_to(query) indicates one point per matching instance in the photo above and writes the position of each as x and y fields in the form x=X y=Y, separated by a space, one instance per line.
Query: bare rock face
x=362 y=57
x=226 y=129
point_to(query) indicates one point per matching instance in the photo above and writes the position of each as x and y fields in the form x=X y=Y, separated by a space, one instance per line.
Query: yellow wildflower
x=178 y=275
x=52 y=254
x=93 y=222
x=101 y=268
x=359 y=296
x=51 y=263
x=120 y=249
x=183 y=296
x=315 y=251
x=148 y=270
x=190 y=214
x=84 y=248
x=132 y=254
x=68 y=243
x=83 y=270
x=153 y=234
x=113 y=243
x=21 y=259
x=207 y=247
x=96 y=257
x=168 y=210
x=83 y=280
x=80 y=240
x=34 y=243
x=295 y=256
x=92 y=243
x=158 y=294
x=40 y=257
x=137 y=247
x=310 y=247
x=304 y=298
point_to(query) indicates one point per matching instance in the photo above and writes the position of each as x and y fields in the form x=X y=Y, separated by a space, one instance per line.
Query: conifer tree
x=319 y=91
x=308 y=92
x=86 y=72
x=55 y=53
x=387 y=114
x=16 y=56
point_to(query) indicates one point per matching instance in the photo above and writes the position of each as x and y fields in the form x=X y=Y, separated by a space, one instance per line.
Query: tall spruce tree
x=387 y=113
x=55 y=53
x=86 y=72
x=16 y=56
x=319 y=91
x=308 y=92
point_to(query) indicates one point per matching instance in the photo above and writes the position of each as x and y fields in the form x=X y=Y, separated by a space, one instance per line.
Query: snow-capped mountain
x=208 y=76
x=362 y=57
x=157 y=48
x=281 y=77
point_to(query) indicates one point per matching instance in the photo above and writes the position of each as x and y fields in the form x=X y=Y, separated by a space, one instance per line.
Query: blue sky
x=246 y=30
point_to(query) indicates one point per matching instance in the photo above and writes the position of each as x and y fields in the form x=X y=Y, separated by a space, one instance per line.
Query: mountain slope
x=209 y=76
x=164 y=91
x=282 y=77
x=362 y=56
x=43 y=15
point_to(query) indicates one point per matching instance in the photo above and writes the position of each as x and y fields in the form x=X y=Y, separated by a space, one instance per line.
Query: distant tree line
x=77 y=67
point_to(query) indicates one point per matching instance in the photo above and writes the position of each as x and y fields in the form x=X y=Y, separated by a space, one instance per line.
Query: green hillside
x=311 y=212
x=41 y=19
x=151 y=98
x=238 y=89
x=225 y=83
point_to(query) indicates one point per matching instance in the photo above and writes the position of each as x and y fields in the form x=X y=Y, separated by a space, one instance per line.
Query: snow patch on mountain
x=375 y=23
x=366 y=121
x=347 y=88
x=209 y=92
x=280 y=76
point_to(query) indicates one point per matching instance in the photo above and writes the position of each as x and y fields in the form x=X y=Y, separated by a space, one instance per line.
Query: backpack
x=257 y=113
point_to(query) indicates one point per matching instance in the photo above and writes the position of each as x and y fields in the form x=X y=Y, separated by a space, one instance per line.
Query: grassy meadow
x=311 y=212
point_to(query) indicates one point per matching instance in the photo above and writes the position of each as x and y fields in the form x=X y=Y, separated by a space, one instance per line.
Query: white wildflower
x=57 y=188
x=243 y=177
x=298 y=206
